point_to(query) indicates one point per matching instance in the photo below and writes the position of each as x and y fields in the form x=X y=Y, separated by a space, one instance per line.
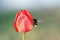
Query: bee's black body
x=35 y=22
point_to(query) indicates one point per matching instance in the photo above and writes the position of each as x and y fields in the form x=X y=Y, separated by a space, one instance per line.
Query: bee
x=35 y=22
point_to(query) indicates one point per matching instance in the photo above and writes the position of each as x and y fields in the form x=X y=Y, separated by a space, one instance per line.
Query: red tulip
x=23 y=21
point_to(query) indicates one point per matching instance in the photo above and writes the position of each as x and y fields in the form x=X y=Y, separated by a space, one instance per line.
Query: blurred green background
x=46 y=10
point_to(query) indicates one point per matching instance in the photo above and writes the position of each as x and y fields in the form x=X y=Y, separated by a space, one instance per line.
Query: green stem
x=23 y=36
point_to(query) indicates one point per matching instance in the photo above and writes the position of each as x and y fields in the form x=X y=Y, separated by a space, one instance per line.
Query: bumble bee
x=35 y=22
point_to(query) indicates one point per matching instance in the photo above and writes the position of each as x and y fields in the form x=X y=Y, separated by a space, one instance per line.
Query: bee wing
x=39 y=21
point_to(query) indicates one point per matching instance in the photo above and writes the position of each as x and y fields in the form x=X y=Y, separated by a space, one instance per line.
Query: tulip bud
x=23 y=21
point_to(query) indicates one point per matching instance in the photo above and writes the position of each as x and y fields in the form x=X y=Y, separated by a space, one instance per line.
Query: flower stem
x=23 y=36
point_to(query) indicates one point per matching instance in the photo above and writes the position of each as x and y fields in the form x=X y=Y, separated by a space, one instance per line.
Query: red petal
x=23 y=21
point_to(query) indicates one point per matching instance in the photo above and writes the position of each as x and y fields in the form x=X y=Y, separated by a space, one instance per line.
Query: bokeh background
x=46 y=10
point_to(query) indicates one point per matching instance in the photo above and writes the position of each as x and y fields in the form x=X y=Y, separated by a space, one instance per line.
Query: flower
x=23 y=21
